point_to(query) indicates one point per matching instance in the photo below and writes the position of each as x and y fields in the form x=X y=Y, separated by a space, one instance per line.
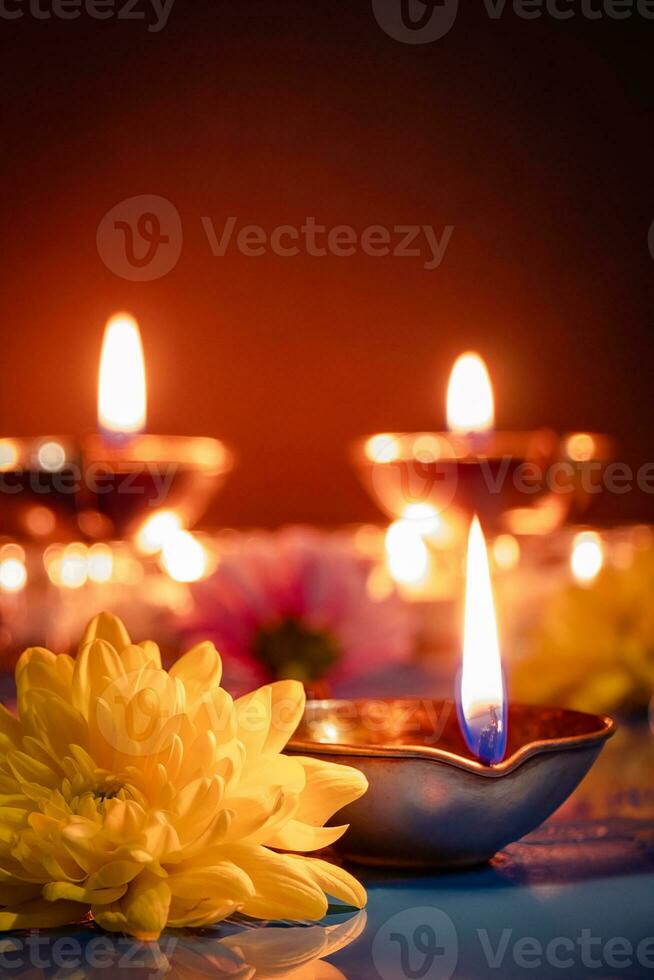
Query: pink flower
x=295 y=603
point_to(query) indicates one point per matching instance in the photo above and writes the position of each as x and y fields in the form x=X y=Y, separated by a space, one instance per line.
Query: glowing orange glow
x=13 y=575
x=122 y=388
x=100 y=563
x=51 y=456
x=156 y=530
x=8 y=455
x=382 y=448
x=40 y=521
x=506 y=551
x=482 y=686
x=580 y=447
x=470 y=403
x=183 y=557
x=587 y=557
x=407 y=555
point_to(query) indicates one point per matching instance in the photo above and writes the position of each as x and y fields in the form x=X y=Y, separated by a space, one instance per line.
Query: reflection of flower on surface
x=150 y=798
x=264 y=952
x=295 y=603
x=594 y=648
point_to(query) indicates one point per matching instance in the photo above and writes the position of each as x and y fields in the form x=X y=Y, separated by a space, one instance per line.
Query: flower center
x=108 y=792
x=293 y=651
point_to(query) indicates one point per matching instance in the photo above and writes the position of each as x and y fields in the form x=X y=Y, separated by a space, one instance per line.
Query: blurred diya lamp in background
x=107 y=484
x=39 y=477
x=450 y=785
x=523 y=482
x=134 y=472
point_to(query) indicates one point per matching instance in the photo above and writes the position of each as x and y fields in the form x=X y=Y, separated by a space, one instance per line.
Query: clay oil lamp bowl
x=453 y=782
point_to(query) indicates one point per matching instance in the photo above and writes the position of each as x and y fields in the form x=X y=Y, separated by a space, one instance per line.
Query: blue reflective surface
x=574 y=899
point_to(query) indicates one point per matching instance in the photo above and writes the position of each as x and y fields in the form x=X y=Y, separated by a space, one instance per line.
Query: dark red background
x=532 y=138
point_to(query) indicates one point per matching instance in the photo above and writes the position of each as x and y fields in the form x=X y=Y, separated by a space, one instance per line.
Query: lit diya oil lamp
x=452 y=784
x=39 y=477
x=134 y=473
x=108 y=484
x=523 y=482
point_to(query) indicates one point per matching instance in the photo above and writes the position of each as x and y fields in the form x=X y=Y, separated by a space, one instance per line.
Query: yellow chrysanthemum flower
x=150 y=798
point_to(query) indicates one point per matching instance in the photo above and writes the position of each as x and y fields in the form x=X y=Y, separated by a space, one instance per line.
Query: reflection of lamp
x=473 y=468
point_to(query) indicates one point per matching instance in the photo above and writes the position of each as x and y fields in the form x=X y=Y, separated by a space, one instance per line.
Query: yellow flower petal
x=26 y=769
x=135 y=656
x=41 y=914
x=149 y=797
x=199 y=670
x=333 y=880
x=298 y=836
x=97 y=665
x=57 y=890
x=287 y=707
x=253 y=719
x=329 y=787
x=142 y=911
x=39 y=669
x=107 y=627
x=225 y=882
x=10 y=730
x=283 y=889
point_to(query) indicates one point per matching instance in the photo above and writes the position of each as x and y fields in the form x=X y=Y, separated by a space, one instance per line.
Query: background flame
x=122 y=387
x=470 y=403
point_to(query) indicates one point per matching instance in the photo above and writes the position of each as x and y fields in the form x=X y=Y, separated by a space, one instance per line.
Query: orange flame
x=482 y=701
x=470 y=403
x=122 y=389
